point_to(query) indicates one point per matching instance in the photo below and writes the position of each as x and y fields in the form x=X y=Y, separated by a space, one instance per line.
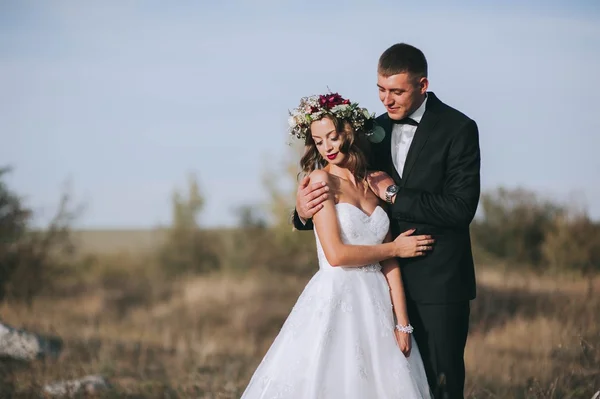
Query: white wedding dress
x=338 y=341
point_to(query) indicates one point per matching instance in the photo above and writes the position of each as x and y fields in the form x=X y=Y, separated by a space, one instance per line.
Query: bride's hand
x=404 y=342
x=408 y=246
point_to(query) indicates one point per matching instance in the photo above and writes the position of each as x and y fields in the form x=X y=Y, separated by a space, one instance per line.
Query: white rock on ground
x=23 y=345
x=90 y=384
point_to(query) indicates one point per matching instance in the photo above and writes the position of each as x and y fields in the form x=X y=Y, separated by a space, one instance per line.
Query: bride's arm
x=391 y=270
x=340 y=254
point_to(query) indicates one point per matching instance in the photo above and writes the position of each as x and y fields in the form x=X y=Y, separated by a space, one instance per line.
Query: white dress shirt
x=402 y=137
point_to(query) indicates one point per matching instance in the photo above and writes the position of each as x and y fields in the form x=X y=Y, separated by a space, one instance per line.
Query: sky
x=122 y=100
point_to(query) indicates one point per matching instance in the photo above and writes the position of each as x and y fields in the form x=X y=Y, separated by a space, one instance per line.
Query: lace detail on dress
x=371 y=268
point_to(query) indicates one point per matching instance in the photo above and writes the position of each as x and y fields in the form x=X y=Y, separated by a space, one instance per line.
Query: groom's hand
x=309 y=198
x=378 y=182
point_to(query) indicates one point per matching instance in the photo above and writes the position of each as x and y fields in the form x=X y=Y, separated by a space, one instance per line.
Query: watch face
x=393 y=189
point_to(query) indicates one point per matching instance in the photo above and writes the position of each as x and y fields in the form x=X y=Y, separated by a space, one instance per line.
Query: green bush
x=29 y=258
x=513 y=225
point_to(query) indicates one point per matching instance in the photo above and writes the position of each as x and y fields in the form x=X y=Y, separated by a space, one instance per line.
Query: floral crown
x=316 y=107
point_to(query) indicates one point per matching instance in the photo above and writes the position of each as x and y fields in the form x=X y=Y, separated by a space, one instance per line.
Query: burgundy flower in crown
x=329 y=101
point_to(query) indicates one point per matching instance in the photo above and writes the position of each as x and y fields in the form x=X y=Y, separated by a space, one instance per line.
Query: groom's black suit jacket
x=438 y=195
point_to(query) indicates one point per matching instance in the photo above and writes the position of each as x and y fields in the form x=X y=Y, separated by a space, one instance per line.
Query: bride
x=348 y=335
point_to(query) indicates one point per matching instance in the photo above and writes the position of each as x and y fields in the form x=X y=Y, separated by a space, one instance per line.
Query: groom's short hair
x=402 y=58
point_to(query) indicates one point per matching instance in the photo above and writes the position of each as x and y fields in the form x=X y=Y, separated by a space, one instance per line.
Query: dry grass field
x=118 y=241
x=202 y=337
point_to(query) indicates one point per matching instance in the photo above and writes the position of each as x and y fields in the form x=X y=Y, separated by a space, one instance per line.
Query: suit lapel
x=430 y=119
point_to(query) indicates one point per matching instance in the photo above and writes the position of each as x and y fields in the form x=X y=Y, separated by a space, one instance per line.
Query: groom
x=431 y=151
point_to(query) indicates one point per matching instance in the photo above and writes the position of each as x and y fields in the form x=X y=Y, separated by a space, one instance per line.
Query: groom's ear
x=423 y=84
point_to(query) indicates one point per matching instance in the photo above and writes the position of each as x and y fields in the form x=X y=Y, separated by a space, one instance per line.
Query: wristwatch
x=390 y=192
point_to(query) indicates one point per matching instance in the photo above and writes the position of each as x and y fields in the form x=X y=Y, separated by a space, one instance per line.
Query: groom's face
x=401 y=94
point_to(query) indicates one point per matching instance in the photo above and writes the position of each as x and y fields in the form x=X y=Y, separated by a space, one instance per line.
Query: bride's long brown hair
x=354 y=145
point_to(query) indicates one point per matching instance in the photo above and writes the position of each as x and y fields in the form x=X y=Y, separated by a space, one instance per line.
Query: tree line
x=516 y=227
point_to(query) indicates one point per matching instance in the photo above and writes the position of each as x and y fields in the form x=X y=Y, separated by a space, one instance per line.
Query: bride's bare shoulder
x=319 y=175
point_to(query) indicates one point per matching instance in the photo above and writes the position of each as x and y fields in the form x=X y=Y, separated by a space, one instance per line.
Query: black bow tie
x=405 y=121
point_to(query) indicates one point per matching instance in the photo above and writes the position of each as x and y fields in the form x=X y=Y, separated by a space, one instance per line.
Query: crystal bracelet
x=408 y=329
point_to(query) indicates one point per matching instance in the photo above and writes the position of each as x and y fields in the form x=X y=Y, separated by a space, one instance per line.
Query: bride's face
x=328 y=141
x=401 y=94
